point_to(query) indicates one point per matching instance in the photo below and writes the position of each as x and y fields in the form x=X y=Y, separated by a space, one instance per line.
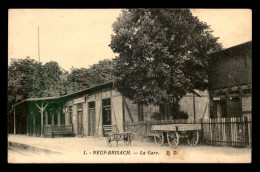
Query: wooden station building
x=230 y=82
x=82 y=113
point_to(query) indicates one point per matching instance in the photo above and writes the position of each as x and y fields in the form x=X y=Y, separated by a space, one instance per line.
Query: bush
x=176 y=115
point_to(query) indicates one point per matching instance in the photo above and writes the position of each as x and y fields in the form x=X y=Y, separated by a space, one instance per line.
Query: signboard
x=70 y=103
x=79 y=100
x=246 y=104
x=216 y=98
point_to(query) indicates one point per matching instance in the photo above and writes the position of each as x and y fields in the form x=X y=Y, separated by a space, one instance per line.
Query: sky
x=80 y=37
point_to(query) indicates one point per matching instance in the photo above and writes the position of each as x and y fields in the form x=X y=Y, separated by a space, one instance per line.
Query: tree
x=163 y=54
x=102 y=72
x=21 y=79
x=53 y=78
x=30 y=79
x=21 y=75
x=78 y=79
x=99 y=73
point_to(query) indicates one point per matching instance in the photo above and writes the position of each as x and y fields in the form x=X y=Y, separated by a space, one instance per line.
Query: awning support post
x=14 y=123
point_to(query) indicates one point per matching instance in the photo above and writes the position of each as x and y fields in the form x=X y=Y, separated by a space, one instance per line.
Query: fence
x=236 y=132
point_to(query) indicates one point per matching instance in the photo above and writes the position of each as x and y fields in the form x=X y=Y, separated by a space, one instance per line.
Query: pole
x=34 y=134
x=14 y=122
x=52 y=116
x=58 y=116
x=46 y=117
x=194 y=107
x=38 y=44
x=27 y=132
x=42 y=123
x=42 y=109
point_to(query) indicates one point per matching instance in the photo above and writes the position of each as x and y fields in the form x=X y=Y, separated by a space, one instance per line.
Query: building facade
x=230 y=82
x=83 y=113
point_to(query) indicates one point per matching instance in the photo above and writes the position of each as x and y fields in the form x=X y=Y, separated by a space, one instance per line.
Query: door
x=80 y=120
x=80 y=126
x=92 y=114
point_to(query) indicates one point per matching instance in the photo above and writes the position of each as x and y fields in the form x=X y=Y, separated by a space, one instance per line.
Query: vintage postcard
x=145 y=85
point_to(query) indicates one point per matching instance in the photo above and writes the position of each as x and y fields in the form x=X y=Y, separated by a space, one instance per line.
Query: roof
x=67 y=95
x=233 y=48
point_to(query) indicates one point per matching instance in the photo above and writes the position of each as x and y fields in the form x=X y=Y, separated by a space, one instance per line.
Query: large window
x=106 y=103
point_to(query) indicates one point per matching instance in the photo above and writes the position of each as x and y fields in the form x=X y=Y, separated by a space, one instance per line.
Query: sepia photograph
x=132 y=85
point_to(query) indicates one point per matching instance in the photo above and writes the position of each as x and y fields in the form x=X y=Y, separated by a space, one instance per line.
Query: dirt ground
x=95 y=150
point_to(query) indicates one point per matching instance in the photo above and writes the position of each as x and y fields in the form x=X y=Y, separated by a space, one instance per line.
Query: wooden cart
x=174 y=132
x=112 y=133
x=124 y=136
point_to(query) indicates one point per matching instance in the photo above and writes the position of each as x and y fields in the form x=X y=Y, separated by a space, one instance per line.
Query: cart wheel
x=193 y=138
x=159 y=138
x=109 y=141
x=173 y=138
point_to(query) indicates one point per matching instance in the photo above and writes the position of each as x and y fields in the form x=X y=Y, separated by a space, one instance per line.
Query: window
x=80 y=107
x=91 y=105
x=106 y=102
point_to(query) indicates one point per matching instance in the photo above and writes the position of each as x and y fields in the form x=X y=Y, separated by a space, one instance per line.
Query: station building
x=230 y=82
x=84 y=113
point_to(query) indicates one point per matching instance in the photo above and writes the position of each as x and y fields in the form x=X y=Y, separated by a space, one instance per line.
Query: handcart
x=112 y=134
x=173 y=133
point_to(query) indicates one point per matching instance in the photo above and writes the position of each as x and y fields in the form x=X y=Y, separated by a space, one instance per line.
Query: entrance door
x=92 y=118
x=80 y=128
x=92 y=115
x=80 y=120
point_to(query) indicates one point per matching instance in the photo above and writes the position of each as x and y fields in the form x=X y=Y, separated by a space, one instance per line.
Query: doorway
x=234 y=108
x=92 y=118
x=106 y=111
x=219 y=109
x=80 y=119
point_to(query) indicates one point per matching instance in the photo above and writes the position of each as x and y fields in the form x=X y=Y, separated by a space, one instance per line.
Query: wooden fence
x=236 y=132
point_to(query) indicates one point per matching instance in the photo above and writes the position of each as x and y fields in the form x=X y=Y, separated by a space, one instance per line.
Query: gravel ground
x=95 y=150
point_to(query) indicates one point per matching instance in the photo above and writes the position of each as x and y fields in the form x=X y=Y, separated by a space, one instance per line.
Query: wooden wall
x=231 y=67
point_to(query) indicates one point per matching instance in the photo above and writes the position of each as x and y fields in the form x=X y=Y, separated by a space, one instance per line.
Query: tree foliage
x=163 y=54
x=96 y=74
x=29 y=79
